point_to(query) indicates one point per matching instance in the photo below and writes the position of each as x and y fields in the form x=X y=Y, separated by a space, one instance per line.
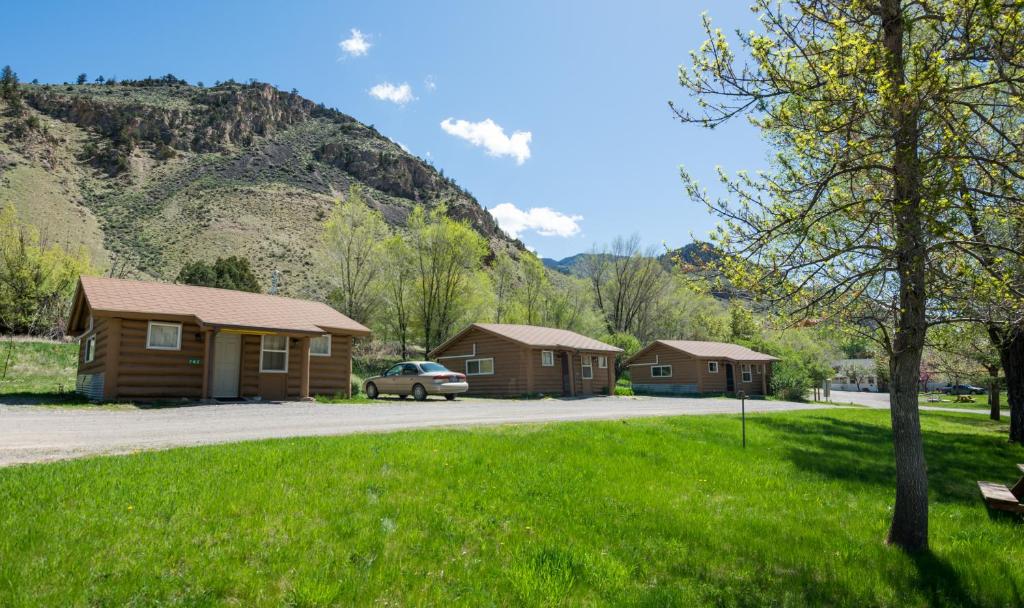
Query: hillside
x=693 y=256
x=151 y=174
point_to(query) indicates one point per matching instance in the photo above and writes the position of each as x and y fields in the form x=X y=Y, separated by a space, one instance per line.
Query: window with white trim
x=480 y=367
x=602 y=362
x=748 y=374
x=320 y=346
x=163 y=336
x=661 y=371
x=588 y=367
x=273 y=354
x=712 y=367
x=547 y=358
x=89 y=353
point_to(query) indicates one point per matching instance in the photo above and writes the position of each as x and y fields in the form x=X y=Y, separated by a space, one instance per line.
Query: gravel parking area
x=40 y=434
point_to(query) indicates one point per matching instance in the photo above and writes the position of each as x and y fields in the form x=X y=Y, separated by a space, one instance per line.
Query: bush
x=626 y=391
x=357 y=385
x=790 y=379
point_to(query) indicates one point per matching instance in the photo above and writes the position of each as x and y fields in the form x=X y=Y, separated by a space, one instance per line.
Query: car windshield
x=433 y=367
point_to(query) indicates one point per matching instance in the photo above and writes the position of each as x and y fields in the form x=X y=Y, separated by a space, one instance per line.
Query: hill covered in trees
x=150 y=175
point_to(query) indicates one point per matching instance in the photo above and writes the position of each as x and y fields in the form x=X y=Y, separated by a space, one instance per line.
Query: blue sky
x=589 y=82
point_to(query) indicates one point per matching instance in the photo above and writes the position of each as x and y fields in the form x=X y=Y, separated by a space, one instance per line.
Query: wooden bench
x=998 y=496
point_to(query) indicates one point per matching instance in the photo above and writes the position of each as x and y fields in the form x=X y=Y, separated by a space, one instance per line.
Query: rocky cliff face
x=179 y=116
x=172 y=172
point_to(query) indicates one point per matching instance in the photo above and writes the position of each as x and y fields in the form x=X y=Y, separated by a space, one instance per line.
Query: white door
x=227 y=360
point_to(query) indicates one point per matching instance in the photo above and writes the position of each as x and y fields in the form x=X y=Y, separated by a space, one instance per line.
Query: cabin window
x=661 y=371
x=547 y=358
x=712 y=367
x=602 y=362
x=748 y=374
x=90 y=349
x=480 y=367
x=588 y=368
x=274 y=354
x=164 y=336
x=320 y=346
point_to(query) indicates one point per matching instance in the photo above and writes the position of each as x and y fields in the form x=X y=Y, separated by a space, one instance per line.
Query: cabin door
x=566 y=384
x=227 y=360
x=730 y=384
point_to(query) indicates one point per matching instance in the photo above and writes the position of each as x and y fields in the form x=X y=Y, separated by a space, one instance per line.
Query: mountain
x=693 y=256
x=151 y=174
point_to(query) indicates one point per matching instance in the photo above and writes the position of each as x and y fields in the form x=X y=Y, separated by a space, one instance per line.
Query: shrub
x=790 y=379
x=357 y=385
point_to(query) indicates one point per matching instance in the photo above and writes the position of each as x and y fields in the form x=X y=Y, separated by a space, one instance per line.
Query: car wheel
x=371 y=391
x=419 y=393
x=450 y=397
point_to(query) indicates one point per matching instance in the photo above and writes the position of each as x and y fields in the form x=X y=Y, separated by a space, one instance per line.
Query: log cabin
x=141 y=340
x=679 y=367
x=511 y=360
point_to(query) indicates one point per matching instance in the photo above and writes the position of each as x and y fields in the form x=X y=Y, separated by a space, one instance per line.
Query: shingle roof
x=216 y=307
x=538 y=337
x=713 y=350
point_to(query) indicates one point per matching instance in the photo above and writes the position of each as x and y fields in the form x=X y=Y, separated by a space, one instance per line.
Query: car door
x=388 y=382
x=409 y=376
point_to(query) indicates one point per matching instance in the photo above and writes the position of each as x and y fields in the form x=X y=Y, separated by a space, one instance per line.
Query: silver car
x=416 y=378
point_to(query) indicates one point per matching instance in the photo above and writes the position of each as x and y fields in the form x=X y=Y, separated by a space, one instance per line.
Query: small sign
x=194 y=361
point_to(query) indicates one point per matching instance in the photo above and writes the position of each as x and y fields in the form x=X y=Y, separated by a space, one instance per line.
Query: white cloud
x=400 y=94
x=545 y=221
x=429 y=83
x=357 y=45
x=491 y=136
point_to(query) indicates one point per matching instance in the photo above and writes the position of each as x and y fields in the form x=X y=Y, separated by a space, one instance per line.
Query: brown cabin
x=677 y=367
x=144 y=340
x=509 y=360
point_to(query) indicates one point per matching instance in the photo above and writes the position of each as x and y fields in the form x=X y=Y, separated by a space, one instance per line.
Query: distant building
x=855 y=375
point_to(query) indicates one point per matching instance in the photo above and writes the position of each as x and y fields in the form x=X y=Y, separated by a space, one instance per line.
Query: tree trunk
x=909 y=528
x=1010 y=344
x=993 y=393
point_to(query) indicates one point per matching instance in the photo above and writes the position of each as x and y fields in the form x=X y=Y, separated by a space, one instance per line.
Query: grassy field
x=37 y=370
x=666 y=512
x=980 y=401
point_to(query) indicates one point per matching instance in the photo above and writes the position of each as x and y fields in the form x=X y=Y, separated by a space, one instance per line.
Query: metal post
x=743 y=415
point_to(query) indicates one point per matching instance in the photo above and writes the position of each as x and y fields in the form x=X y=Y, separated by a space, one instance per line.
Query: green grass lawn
x=980 y=401
x=38 y=371
x=654 y=512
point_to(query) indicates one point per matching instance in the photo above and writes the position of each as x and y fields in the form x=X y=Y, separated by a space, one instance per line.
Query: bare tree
x=627 y=284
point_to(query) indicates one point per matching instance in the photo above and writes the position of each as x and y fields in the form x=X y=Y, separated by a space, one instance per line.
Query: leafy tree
x=532 y=288
x=567 y=303
x=446 y=255
x=397 y=280
x=36 y=279
x=100 y=79
x=742 y=327
x=225 y=273
x=82 y=78
x=353 y=248
x=869 y=105
x=505 y=280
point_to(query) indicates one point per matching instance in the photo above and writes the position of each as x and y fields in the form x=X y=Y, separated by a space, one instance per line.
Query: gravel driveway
x=39 y=434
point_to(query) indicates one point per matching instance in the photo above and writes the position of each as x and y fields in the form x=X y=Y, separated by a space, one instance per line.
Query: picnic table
x=998 y=496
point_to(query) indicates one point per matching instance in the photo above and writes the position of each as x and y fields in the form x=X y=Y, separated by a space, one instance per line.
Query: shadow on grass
x=939 y=581
x=858 y=452
x=43 y=398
